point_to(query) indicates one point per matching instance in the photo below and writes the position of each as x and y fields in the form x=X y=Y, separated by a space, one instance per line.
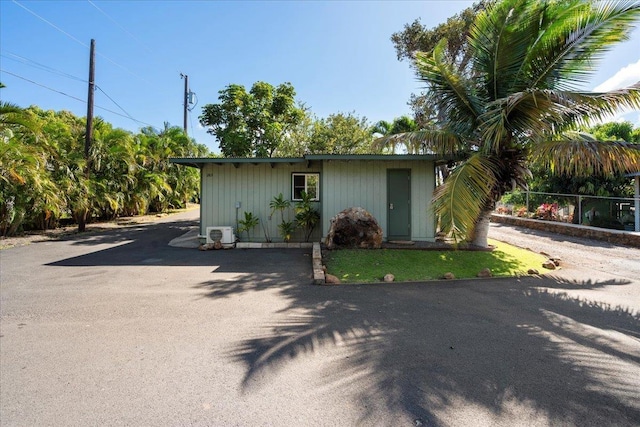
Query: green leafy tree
x=341 y=134
x=416 y=37
x=519 y=103
x=254 y=123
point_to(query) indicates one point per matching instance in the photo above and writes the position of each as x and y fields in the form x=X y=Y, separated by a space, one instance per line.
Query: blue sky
x=337 y=55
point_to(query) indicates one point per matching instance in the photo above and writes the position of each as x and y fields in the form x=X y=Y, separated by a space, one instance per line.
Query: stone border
x=618 y=237
x=318 y=271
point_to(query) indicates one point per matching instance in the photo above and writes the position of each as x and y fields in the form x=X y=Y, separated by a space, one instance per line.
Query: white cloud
x=626 y=76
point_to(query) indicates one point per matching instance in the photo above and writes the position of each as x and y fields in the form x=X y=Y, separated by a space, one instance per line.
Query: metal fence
x=617 y=213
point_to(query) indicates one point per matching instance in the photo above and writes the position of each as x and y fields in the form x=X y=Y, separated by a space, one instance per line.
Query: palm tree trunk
x=481 y=230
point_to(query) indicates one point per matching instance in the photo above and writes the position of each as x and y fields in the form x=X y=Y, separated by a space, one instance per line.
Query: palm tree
x=400 y=125
x=519 y=102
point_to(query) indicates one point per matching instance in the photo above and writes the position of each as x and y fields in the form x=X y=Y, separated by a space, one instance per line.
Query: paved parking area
x=119 y=328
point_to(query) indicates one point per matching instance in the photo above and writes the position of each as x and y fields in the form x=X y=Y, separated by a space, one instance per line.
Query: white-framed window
x=307 y=182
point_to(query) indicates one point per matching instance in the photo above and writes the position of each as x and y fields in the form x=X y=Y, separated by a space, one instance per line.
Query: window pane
x=298 y=186
x=312 y=186
x=308 y=182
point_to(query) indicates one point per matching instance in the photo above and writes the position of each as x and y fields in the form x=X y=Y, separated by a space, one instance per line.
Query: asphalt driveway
x=118 y=328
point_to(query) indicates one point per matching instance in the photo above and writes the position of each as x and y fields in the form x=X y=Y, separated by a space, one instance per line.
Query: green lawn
x=353 y=265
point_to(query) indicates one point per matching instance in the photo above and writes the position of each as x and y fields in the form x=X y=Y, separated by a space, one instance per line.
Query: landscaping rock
x=485 y=272
x=449 y=276
x=206 y=247
x=549 y=265
x=354 y=228
x=533 y=271
x=556 y=261
x=330 y=279
x=389 y=278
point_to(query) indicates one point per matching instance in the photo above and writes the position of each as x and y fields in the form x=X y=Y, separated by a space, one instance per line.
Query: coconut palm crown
x=519 y=102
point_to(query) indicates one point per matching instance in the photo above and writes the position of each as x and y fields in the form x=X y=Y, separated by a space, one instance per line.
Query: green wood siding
x=343 y=184
x=347 y=184
x=254 y=186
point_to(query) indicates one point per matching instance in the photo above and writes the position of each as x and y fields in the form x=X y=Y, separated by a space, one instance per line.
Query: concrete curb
x=280 y=245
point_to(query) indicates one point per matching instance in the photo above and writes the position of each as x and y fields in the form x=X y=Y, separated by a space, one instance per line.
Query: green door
x=399 y=204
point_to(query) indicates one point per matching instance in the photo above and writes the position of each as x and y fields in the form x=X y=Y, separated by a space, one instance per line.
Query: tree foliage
x=253 y=123
x=416 y=37
x=43 y=177
x=519 y=103
x=399 y=125
x=341 y=134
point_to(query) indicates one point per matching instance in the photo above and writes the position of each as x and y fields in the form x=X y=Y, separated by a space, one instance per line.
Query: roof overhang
x=199 y=162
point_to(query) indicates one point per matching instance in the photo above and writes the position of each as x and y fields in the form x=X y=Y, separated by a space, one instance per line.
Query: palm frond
x=537 y=114
x=464 y=195
x=430 y=141
x=500 y=37
x=447 y=84
x=580 y=33
x=581 y=155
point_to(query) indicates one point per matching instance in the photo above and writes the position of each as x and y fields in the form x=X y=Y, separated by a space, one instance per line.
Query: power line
x=154 y=54
x=120 y=26
x=50 y=23
x=118 y=105
x=76 y=98
x=78 y=41
x=40 y=66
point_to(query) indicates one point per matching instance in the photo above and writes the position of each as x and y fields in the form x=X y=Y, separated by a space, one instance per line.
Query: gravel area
x=574 y=252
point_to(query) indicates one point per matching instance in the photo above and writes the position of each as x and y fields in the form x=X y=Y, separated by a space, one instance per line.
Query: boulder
x=448 y=276
x=549 y=265
x=354 y=228
x=485 y=272
x=330 y=279
x=389 y=277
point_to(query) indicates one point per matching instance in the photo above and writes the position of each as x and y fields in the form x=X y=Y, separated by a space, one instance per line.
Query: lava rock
x=485 y=272
x=330 y=279
x=354 y=228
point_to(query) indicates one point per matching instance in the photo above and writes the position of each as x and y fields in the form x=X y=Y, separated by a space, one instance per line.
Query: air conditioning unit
x=223 y=235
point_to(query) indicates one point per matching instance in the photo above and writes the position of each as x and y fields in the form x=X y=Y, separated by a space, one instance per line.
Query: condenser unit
x=223 y=235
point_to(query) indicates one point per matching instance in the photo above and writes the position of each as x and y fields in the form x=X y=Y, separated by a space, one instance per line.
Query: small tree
x=286 y=228
x=306 y=216
x=249 y=222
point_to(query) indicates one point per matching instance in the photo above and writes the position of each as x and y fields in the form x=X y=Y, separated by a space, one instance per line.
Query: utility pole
x=82 y=221
x=186 y=101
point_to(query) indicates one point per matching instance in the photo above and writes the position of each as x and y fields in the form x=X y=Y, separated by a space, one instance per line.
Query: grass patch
x=360 y=265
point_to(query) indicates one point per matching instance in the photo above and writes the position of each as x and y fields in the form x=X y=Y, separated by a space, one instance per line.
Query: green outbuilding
x=395 y=189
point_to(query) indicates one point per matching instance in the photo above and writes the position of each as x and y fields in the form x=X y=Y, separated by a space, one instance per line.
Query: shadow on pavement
x=510 y=349
x=148 y=245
